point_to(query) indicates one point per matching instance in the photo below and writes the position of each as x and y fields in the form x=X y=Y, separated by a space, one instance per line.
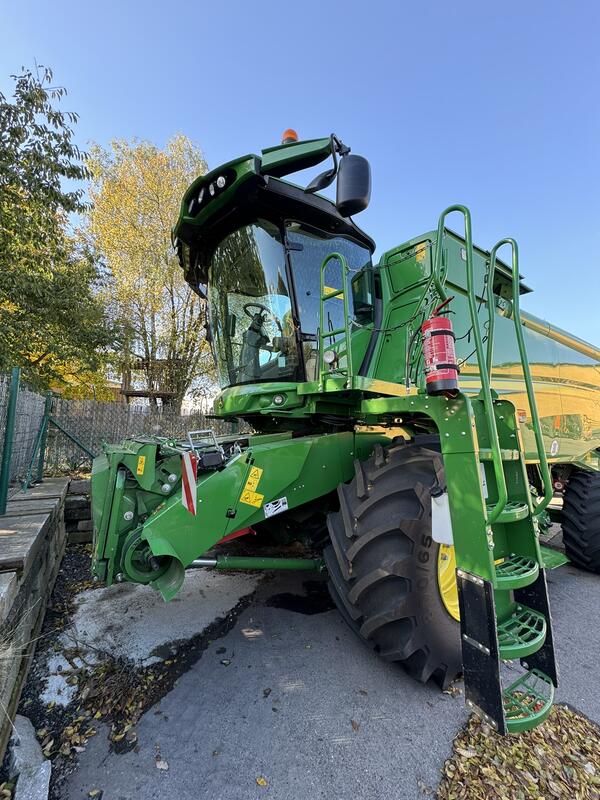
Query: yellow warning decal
x=253 y=479
x=141 y=465
x=252 y=498
x=249 y=494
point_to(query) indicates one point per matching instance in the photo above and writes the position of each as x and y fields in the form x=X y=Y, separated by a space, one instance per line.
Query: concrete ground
x=290 y=697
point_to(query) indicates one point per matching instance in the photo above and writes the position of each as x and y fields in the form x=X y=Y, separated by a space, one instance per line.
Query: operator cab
x=257 y=260
x=264 y=299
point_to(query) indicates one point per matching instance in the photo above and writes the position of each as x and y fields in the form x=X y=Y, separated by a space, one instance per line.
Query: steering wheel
x=259 y=306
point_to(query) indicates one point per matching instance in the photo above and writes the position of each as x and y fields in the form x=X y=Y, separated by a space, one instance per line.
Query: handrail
x=437 y=264
x=491 y=304
x=516 y=313
x=323 y=335
x=485 y=394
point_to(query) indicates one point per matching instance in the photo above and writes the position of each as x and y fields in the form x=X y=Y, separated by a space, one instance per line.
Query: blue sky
x=492 y=105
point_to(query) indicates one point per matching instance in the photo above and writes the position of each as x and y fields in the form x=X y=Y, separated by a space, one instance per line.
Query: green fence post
x=9 y=432
x=44 y=437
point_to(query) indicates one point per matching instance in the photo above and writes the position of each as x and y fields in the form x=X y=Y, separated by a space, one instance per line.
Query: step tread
x=524 y=632
x=513 y=511
x=516 y=571
x=527 y=701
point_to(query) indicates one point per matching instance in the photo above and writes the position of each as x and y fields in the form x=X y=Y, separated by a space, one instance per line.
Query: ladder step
x=521 y=634
x=516 y=571
x=512 y=511
x=485 y=454
x=527 y=701
x=333 y=332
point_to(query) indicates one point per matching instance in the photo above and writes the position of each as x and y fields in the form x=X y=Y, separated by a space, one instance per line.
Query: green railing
x=9 y=434
x=327 y=334
x=486 y=393
x=516 y=315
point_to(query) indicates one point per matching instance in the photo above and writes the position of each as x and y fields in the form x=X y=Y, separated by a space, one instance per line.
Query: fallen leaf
x=261 y=781
x=355 y=725
x=466 y=752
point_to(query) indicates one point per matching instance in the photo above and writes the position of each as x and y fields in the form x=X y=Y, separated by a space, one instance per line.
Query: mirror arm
x=326 y=178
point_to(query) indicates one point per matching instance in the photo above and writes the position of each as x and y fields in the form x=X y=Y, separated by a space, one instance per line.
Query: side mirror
x=353 y=185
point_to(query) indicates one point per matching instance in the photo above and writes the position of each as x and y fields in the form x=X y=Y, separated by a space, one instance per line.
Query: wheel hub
x=446 y=575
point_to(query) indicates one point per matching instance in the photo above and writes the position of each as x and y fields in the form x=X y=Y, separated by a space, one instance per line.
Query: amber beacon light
x=289 y=136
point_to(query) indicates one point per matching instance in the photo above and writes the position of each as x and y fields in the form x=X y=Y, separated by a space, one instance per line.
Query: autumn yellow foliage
x=135 y=194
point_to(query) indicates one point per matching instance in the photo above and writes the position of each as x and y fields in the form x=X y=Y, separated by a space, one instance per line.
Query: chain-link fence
x=93 y=423
x=90 y=423
x=27 y=420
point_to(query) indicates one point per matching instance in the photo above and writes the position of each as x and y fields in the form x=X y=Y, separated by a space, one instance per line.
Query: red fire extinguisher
x=441 y=369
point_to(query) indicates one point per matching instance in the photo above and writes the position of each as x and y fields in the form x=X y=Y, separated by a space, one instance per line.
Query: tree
x=136 y=190
x=51 y=316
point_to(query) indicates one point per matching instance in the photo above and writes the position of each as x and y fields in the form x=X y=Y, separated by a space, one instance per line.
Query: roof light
x=289 y=136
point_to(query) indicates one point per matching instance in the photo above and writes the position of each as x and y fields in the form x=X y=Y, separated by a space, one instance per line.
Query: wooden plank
x=20 y=538
x=20 y=508
x=51 y=487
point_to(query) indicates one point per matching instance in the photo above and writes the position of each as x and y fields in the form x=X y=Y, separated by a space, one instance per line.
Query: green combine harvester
x=409 y=424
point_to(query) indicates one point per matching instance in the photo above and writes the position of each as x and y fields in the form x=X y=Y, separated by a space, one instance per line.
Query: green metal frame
x=9 y=435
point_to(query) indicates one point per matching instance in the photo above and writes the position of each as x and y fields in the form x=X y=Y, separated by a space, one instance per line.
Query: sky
x=493 y=105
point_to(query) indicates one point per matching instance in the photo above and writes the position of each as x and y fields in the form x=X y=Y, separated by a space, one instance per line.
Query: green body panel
x=282 y=159
x=297 y=469
x=276 y=161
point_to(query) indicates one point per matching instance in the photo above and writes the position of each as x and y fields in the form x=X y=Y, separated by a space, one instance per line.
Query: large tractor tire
x=392 y=583
x=581 y=519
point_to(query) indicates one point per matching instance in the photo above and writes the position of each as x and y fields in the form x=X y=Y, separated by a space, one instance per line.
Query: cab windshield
x=250 y=308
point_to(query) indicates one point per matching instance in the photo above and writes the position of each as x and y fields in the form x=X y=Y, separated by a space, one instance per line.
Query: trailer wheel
x=386 y=573
x=581 y=519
